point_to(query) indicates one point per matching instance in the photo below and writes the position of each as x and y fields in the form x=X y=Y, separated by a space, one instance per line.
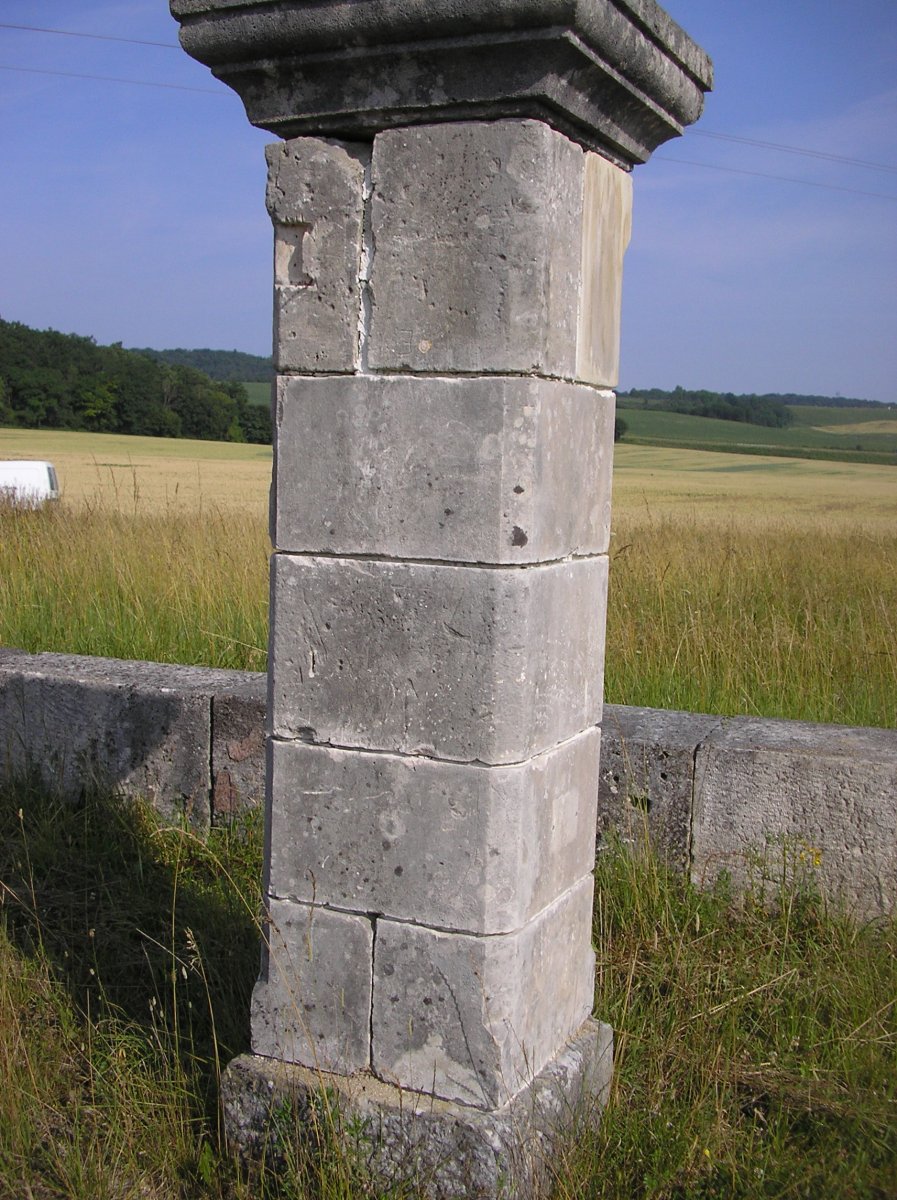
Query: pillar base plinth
x=444 y=1151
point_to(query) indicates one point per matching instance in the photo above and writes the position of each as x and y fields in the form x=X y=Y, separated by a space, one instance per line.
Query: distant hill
x=700 y=403
x=224 y=366
x=859 y=433
x=51 y=380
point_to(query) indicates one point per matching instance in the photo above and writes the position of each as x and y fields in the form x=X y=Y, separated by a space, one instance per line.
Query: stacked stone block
x=446 y=323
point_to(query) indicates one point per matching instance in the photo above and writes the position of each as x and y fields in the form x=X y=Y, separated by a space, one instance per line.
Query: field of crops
x=851 y=434
x=738 y=584
x=141 y=475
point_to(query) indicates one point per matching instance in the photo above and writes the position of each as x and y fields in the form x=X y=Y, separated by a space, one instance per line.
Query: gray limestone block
x=497 y=248
x=416 y=1143
x=785 y=798
x=238 y=746
x=452 y=845
x=475 y=1019
x=142 y=728
x=606 y=230
x=495 y=470
x=464 y=663
x=312 y=1003
x=647 y=777
x=477 y=232
x=316 y=201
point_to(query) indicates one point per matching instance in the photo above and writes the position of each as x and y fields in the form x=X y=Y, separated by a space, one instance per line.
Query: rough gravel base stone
x=442 y=1151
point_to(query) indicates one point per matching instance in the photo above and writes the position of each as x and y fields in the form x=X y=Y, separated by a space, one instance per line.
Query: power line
x=830 y=187
x=98 y=37
x=803 y=151
x=838 y=158
x=178 y=87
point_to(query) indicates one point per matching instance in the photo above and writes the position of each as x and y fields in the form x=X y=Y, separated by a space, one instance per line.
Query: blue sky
x=136 y=214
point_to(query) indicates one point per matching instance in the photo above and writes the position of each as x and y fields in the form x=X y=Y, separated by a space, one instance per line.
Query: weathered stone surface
x=620 y=77
x=497 y=470
x=11 y=656
x=79 y=722
x=315 y=198
x=606 y=229
x=465 y=663
x=312 y=1003
x=459 y=846
x=238 y=746
x=437 y=1149
x=647 y=777
x=474 y=1019
x=479 y=252
x=816 y=800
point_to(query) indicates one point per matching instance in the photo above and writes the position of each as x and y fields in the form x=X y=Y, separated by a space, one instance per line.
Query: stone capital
x=618 y=76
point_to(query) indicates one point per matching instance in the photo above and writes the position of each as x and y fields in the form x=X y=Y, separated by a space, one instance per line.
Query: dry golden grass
x=886 y=426
x=698 y=485
x=754 y=585
x=738 y=615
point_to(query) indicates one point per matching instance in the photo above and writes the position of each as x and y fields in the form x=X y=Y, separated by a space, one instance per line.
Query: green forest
x=51 y=380
x=722 y=406
x=223 y=365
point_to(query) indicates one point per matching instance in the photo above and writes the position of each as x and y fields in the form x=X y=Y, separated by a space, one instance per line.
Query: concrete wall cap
x=618 y=75
x=798 y=738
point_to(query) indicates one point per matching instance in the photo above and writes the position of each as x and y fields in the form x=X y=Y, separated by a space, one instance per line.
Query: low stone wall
x=750 y=796
x=190 y=739
x=710 y=793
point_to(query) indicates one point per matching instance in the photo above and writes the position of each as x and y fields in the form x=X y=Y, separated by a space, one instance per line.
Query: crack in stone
x=307 y=735
x=365 y=265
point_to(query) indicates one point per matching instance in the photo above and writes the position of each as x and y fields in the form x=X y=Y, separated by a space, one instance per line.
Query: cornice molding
x=619 y=76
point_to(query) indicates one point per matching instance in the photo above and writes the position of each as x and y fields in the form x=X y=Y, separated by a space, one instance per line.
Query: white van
x=27 y=484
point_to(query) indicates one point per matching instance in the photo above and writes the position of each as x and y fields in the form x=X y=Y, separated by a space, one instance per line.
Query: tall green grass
x=754 y=616
x=756 y=1051
x=187 y=587
x=756 y=1044
x=126 y=961
x=722 y=616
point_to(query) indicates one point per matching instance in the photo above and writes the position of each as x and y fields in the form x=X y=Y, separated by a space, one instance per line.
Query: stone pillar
x=448 y=258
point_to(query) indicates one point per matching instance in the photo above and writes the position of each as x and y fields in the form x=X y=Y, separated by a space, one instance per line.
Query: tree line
x=724 y=406
x=770 y=409
x=51 y=380
x=224 y=365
